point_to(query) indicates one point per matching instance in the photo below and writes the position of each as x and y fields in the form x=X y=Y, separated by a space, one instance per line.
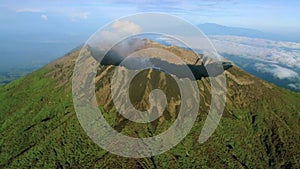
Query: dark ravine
x=259 y=128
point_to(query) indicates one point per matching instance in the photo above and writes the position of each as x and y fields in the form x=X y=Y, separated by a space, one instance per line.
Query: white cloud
x=295 y=86
x=278 y=52
x=44 y=17
x=30 y=10
x=268 y=55
x=277 y=71
x=114 y=33
x=79 y=16
x=126 y=27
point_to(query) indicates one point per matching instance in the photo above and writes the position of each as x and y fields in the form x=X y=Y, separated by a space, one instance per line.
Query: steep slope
x=39 y=127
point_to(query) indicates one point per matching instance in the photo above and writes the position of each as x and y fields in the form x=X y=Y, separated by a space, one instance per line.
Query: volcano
x=39 y=127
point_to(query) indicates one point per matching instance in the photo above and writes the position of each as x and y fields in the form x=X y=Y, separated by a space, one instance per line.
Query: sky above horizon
x=63 y=25
x=268 y=15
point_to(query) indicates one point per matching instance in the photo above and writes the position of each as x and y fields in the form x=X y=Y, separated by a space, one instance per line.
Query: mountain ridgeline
x=39 y=128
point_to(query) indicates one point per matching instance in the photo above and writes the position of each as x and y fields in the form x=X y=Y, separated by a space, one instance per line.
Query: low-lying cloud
x=277 y=71
x=277 y=52
x=279 y=59
x=295 y=86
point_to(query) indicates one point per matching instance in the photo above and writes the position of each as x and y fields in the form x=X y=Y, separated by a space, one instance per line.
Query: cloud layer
x=277 y=71
x=277 y=52
x=279 y=59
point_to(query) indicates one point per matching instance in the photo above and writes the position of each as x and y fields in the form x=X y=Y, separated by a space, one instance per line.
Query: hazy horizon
x=43 y=31
x=36 y=33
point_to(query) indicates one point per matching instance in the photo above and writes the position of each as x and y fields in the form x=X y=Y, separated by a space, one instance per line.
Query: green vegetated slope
x=39 y=128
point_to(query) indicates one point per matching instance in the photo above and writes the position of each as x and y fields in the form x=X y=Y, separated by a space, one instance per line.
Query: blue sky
x=35 y=27
x=268 y=15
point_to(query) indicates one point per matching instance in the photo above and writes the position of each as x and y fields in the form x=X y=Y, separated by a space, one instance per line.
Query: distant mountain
x=39 y=127
x=216 y=29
